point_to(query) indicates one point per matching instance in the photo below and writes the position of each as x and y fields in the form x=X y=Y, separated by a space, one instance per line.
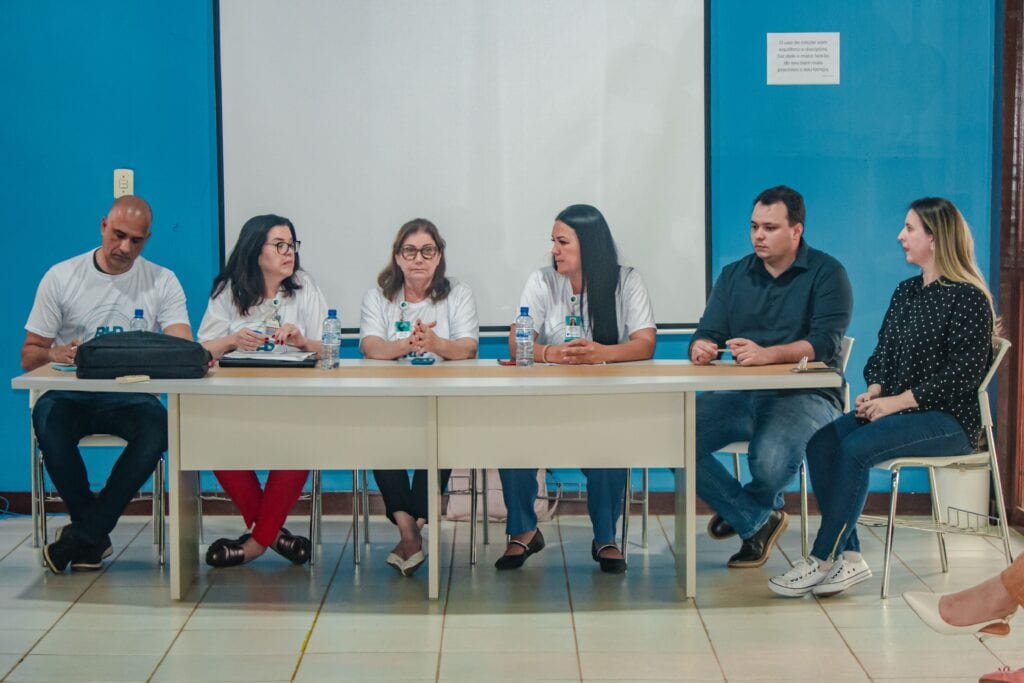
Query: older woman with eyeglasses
x=262 y=301
x=415 y=310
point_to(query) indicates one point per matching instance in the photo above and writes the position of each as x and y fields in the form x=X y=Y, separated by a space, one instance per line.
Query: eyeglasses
x=284 y=247
x=409 y=252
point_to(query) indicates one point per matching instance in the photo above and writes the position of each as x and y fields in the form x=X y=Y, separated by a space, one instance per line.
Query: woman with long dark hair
x=609 y=307
x=934 y=348
x=262 y=301
x=415 y=310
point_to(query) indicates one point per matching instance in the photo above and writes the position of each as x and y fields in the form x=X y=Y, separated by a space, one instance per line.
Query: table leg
x=183 y=489
x=686 y=503
x=433 y=505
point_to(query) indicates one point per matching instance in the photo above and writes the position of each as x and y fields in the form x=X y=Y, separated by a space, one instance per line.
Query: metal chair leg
x=937 y=518
x=625 y=512
x=37 y=495
x=805 y=542
x=318 y=498
x=356 y=558
x=365 y=502
x=472 y=516
x=736 y=465
x=646 y=503
x=159 y=509
x=314 y=515
x=199 y=506
x=487 y=521
x=42 y=501
x=997 y=486
x=894 y=491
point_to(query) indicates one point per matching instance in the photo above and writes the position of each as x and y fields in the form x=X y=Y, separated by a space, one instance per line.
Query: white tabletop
x=459 y=378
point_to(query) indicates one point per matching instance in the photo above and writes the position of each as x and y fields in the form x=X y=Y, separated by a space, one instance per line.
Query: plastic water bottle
x=331 y=341
x=138 y=323
x=524 y=338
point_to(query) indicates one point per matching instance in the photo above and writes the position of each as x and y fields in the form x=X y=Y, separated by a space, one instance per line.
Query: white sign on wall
x=803 y=58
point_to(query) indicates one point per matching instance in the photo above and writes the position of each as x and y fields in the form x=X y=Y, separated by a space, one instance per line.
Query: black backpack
x=160 y=356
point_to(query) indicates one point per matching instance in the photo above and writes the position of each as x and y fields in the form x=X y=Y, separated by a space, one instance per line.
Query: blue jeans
x=62 y=418
x=778 y=425
x=605 y=488
x=840 y=457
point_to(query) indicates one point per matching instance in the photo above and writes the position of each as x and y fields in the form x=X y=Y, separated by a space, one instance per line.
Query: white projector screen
x=351 y=117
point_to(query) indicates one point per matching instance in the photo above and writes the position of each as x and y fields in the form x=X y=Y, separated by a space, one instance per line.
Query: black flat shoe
x=295 y=549
x=719 y=529
x=225 y=552
x=609 y=565
x=535 y=545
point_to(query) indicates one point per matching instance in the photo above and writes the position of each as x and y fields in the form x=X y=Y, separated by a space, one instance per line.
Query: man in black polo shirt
x=781 y=303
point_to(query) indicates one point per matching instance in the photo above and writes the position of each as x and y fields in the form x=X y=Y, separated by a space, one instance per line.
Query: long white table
x=373 y=414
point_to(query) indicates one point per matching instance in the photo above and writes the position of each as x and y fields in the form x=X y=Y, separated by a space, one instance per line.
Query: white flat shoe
x=395 y=561
x=926 y=606
x=410 y=566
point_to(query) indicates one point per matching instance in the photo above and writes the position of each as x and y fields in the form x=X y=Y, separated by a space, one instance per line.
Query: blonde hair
x=954 y=245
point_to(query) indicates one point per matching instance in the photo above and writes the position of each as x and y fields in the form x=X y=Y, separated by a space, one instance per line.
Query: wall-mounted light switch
x=124 y=182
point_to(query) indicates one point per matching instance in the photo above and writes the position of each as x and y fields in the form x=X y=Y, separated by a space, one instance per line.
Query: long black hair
x=599 y=260
x=242 y=271
x=392 y=279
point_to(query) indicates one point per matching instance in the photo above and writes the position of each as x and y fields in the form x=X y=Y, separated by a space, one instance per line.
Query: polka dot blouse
x=937 y=342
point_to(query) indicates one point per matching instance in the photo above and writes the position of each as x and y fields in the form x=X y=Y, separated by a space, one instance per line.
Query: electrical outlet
x=124 y=182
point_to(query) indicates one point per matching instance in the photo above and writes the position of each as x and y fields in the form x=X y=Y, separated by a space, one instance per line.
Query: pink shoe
x=1004 y=675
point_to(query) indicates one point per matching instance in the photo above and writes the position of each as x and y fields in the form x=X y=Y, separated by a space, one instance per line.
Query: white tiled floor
x=558 y=619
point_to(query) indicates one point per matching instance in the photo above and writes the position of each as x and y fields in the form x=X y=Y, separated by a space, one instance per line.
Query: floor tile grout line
x=74 y=602
x=447 y=594
x=835 y=627
x=568 y=589
x=16 y=546
x=349 y=537
x=696 y=605
x=921 y=579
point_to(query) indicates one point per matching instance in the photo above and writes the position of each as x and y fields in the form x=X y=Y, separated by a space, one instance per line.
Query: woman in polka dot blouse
x=933 y=350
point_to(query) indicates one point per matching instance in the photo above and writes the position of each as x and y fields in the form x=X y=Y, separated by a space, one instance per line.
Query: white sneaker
x=844 y=574
x=800 y=580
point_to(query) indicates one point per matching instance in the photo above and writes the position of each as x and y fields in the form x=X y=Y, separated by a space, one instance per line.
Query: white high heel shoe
x=926 y=606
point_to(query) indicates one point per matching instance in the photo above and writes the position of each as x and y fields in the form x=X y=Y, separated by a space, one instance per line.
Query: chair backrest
x=999 y=348
x=845 y=348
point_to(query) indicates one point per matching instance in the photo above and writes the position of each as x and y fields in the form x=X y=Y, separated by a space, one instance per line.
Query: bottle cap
x=332 y=312
x=524 y=310
x=138 y=312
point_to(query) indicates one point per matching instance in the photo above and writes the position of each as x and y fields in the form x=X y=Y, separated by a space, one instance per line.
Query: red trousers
x=264 y=510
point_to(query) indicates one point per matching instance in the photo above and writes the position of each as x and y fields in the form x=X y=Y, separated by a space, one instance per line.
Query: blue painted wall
x=94 y=86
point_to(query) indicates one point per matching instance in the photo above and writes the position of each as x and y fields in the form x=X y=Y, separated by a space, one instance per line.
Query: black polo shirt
x=812 y=301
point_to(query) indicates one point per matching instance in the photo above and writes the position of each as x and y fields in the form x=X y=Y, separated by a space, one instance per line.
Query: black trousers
x=402 y=496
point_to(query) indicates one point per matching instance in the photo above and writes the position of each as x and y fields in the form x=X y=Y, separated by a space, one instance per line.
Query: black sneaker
x=58 y=555
x=90 y=556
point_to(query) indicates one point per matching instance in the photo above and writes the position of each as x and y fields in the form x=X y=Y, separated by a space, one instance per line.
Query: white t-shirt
x=550 y=298
x=76 y=300
x=455 y=315
x=305 y=308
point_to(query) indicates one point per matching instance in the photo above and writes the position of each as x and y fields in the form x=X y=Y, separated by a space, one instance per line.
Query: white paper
x=284 y=357
x=803 y=58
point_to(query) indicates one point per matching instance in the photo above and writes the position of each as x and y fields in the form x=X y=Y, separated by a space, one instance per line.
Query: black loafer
x=719 y=529
x=755 y=550
x=535 y=545
x=295 y=549
x=609 y=565
x=225 y=552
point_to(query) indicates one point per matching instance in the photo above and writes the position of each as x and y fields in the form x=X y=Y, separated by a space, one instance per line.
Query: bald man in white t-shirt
x=86 y=296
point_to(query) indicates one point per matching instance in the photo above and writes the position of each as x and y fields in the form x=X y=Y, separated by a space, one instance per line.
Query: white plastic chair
x=971 y=523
